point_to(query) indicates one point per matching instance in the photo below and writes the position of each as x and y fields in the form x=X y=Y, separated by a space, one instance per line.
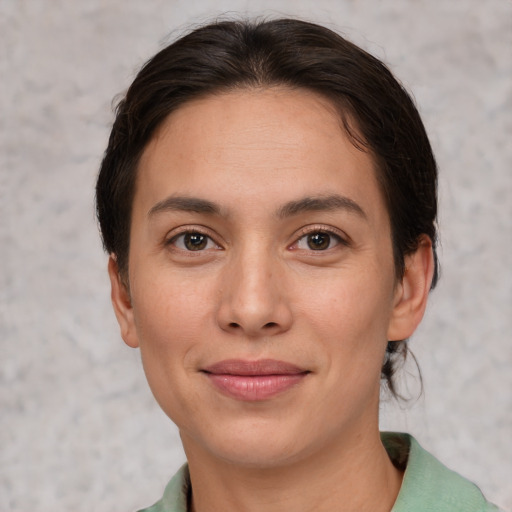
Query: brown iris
x=195 y=241
x=319 y=241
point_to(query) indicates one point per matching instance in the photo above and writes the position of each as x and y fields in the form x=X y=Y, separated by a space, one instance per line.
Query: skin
x=257 y=290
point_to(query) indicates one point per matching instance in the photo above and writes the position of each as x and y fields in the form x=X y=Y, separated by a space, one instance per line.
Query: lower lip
x=254 y=388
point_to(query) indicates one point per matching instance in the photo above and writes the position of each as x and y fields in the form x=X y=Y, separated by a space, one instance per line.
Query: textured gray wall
x=78 y=428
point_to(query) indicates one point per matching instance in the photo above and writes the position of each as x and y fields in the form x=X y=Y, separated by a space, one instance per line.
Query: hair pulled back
x=377 y=113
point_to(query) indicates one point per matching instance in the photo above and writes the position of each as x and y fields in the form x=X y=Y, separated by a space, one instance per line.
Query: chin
x=259 y=456
x=252 y=444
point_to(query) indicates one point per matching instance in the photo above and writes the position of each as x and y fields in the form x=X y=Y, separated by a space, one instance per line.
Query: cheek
x=171 y=323
x=349 y=317
x=167 y=303
x=171 y=318
x=355 y=304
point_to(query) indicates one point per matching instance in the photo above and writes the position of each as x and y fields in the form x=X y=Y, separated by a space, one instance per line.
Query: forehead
x=257 y=144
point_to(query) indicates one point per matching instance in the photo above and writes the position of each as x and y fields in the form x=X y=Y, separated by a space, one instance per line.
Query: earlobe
x=412 y=292
x=121 y=302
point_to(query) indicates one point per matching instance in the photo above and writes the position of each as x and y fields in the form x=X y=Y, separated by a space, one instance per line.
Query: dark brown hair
x=375 y=110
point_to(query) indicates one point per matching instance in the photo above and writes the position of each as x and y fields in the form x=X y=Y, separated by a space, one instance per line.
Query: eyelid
x=171 y=236
x=175 y=233
x=343 y=238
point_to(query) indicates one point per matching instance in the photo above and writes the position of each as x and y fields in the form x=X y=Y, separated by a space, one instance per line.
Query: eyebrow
x=306 y=204
x=321 y=203
x=187 y=204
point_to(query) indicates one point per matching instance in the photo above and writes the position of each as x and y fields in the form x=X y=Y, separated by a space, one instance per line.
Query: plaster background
x=79 y=429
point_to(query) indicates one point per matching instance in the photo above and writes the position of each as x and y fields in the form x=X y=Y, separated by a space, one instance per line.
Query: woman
x=268 y=200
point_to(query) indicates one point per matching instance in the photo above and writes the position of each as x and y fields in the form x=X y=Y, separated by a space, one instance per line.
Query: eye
x=318 y=241
x=193 y=241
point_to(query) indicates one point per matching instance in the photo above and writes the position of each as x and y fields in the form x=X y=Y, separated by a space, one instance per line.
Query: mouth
x=254 y=380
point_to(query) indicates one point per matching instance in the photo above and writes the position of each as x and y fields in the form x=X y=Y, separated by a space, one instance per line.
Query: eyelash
x=335 y=235
x=338 y=236
x=191 y=231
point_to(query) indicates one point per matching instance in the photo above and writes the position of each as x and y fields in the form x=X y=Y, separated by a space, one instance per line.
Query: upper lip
x=253 y=368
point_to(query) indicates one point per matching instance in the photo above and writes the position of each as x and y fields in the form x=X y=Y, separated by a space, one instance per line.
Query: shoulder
x=428 y=485
x=175 y=495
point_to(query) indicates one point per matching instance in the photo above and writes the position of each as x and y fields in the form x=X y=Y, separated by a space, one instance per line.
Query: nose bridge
x=253 y=298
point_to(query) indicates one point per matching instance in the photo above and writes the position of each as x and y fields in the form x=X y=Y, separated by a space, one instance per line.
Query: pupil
x=195 y=241
x=319 y=241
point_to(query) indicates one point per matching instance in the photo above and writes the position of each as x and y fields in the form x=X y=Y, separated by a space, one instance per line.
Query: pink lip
x=254 y=380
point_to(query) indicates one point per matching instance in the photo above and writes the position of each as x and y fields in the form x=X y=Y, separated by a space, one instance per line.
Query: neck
x=356 y=475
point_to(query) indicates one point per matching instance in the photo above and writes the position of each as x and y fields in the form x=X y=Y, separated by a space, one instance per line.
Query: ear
x=411 y=293
x=122 y=304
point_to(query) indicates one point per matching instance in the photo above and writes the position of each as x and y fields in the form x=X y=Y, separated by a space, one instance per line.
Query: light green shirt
x=428 y=486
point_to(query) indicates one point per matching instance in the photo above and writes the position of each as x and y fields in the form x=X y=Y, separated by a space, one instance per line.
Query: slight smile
x=254 y=380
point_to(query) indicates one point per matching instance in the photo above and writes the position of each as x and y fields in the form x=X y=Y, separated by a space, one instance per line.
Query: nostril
x=233 y=325
x=269 y=325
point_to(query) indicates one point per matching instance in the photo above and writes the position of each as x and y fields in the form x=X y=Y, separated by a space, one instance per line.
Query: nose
x=253 y=298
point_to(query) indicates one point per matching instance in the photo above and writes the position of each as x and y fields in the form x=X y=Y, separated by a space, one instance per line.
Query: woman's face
x=261 y=277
